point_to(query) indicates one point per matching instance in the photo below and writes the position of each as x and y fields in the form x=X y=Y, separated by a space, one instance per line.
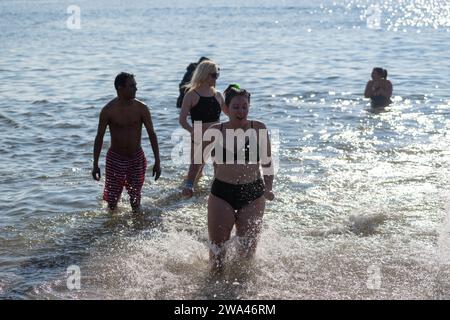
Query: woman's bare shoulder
x=219 y=96
x=258 y=124
x=190 y=93
x=216 y=126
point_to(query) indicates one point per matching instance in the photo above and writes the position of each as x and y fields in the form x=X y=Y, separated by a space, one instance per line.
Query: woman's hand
x=269 y=195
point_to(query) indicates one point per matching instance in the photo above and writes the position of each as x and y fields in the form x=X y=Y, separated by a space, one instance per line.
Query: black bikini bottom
x=379 y=101
x=238 y=195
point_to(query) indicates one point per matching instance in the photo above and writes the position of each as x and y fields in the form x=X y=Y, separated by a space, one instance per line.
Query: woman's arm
x=386 y=88
x=221 y=100
x=184 y=112
x=266 y=159
x=368 y=92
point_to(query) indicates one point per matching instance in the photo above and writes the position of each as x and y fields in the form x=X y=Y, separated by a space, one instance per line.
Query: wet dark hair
x=234 y=90
x=203 y=59
x=121 y=79
x=382 y=72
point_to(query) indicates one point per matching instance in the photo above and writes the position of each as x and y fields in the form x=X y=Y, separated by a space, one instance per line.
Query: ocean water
x=361 y=208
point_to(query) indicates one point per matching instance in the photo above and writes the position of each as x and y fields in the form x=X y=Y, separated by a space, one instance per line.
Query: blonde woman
x=204 y=104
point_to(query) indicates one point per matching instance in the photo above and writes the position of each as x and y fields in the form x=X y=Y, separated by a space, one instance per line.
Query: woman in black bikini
x=379 y=89
x=204 y=104
x=239 y=192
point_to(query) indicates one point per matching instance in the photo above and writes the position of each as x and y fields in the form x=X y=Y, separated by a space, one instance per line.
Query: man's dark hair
x=121 y=79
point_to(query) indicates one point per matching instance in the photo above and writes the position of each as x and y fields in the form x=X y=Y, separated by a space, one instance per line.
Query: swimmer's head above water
x=379 y=73
x=237 y=102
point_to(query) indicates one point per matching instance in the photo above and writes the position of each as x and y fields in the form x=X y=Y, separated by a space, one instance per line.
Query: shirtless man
x=125 y=161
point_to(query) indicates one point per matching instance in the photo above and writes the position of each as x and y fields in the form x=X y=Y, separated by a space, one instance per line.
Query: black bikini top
x=246 y=149
x=206 y=110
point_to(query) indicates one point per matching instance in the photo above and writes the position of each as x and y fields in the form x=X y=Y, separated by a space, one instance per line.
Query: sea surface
x=361 y=208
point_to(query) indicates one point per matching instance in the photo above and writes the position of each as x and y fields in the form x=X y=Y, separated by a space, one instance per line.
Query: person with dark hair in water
x=379 y=89
x=186 y=79
x=243 y=178
x=125 y=161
